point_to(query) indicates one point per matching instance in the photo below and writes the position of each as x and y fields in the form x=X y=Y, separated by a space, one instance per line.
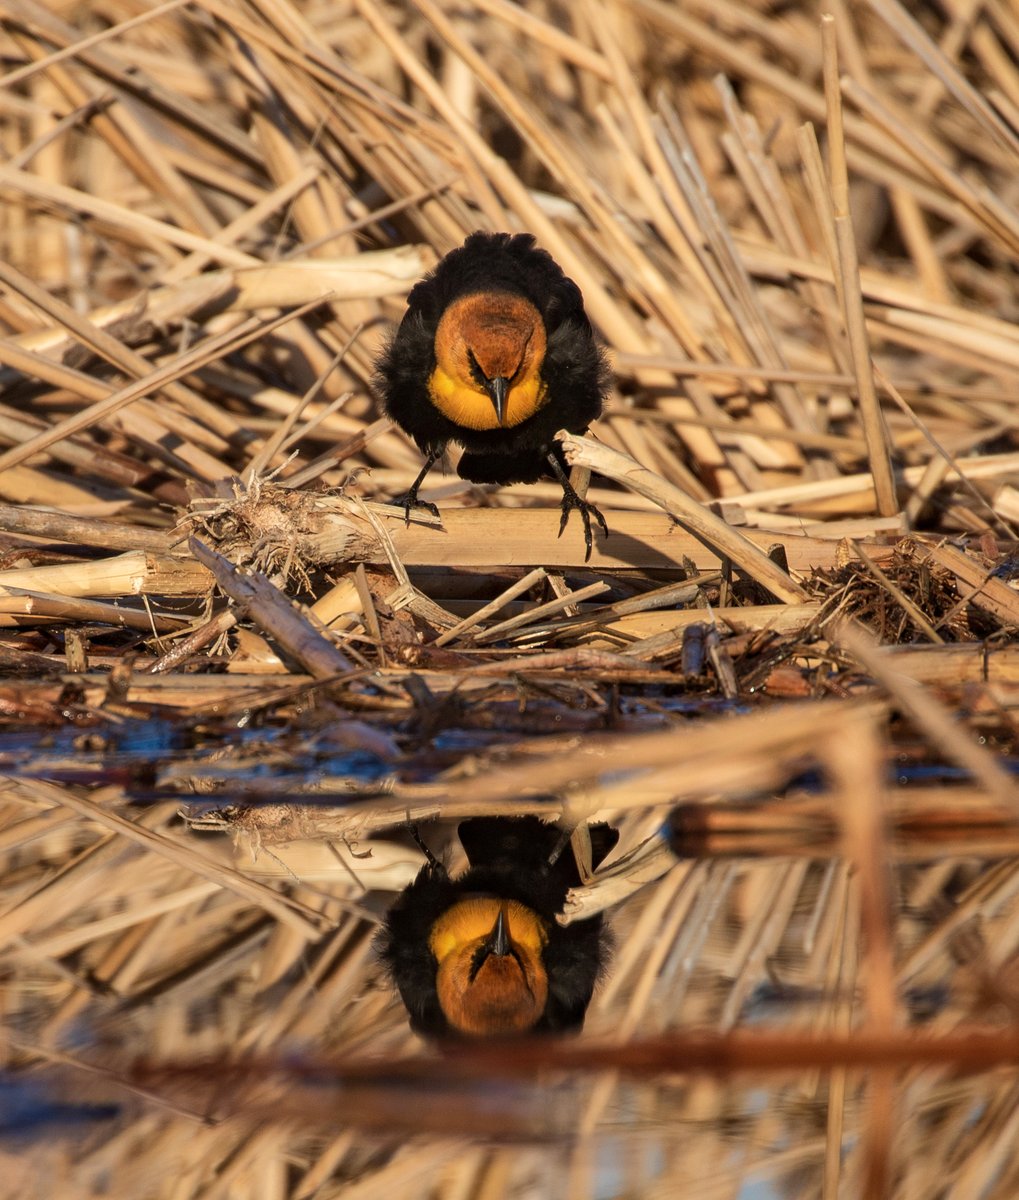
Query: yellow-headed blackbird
x=482 y=955
x=496 y=354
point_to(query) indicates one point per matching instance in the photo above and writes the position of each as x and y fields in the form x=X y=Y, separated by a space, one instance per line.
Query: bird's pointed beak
x=498 y=942
x=498 y=390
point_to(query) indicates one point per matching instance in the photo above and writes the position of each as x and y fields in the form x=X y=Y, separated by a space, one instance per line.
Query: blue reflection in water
x=27 y=1107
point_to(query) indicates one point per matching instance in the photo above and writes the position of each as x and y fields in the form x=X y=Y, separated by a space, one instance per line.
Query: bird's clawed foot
x=410 y=501
x=571 y=501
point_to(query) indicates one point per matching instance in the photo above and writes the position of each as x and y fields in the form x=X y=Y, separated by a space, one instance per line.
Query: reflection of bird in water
x=496 y=354
x=483 y=955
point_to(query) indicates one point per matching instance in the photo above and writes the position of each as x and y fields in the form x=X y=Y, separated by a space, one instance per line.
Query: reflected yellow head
x=484 y=994
x=483 y=339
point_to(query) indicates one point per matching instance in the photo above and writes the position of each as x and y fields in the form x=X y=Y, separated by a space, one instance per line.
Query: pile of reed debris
x=230 y=672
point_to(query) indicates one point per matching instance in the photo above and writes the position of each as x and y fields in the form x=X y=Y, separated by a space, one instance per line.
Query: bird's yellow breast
x=473 y=409
x=471 y=920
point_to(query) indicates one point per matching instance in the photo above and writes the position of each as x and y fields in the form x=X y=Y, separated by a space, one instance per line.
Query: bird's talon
x=572 y=501
x=410 y=501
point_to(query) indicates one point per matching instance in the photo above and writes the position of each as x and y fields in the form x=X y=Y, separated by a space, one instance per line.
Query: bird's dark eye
x=480 y=378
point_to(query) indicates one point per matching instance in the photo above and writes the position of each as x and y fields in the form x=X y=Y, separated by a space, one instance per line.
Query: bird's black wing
x=512 y=842
x=402 y=945
x=508 y=842
x=574 y=958
x=509 y=856
x=402 y=371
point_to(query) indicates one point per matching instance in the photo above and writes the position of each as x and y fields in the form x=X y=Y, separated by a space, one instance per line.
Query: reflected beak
x=498 y=941
x=498 y=390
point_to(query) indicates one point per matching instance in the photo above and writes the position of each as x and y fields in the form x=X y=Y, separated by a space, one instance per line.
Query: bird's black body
x=565 y=379
x=573 y=369
x=508 y=859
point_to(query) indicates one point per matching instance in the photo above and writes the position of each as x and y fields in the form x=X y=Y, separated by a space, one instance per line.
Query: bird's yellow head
x=489 y=349
x=491 y=980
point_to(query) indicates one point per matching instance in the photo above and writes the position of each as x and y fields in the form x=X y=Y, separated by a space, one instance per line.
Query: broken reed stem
x=838 y=173
x=966 y=1049
x=99 y=341
x=293 y=913
x=193 y=642
x=82 y=531
x=848 y=268
x=855 y=758
x=722 y=538
x=206 y=352
x=978 y=583
x=541 y=611
x=949 y=459
x=24 y=607
x=276 y=614
x=922 y=833
x=135 y=573
x=515 y=589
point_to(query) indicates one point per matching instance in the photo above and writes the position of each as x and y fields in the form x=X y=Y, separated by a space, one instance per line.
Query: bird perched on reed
x=482 y=955
x=495 y=353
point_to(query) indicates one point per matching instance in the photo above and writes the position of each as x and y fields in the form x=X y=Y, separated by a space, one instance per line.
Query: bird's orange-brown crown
x=490 y=978
x=489 y=350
